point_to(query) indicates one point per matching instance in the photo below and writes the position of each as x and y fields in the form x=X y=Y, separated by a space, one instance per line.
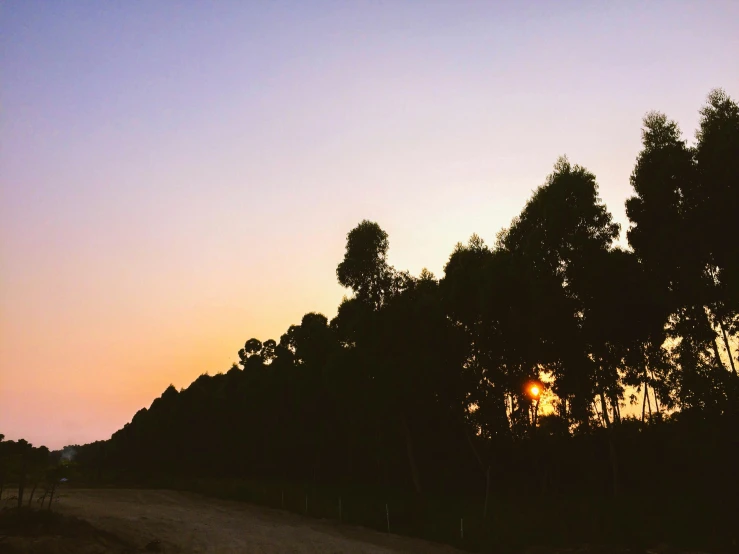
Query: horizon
x=176 y=182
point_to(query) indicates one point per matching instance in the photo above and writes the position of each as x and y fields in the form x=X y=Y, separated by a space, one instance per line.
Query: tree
x=665 y=213
x=715 y=207
x=560 y=237
x=365 y=269
x=417 y=381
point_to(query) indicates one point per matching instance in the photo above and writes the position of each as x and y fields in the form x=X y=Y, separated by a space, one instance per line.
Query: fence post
x=387 y=515
x=340 y=518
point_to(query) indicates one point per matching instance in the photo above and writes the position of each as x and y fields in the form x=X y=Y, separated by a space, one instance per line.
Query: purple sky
x=177 y=177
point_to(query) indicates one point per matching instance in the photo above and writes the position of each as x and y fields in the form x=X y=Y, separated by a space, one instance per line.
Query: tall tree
x=716 y=208
x=562 y=234
x=364 y=268
x=665 y=212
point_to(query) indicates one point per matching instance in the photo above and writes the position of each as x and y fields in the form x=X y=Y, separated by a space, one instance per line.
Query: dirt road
x=185 y=522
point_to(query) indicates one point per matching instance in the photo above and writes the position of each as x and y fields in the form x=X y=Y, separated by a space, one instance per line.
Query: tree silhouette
x=666 y=235
x=420 y=389
x=716 y=205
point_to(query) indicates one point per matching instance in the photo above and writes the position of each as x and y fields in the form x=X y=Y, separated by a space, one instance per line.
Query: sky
x=178 y=177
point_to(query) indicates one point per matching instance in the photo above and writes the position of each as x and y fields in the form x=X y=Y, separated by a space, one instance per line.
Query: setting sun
x=534 y=391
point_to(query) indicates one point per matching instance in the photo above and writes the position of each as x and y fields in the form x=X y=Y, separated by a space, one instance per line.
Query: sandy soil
x=185 y=522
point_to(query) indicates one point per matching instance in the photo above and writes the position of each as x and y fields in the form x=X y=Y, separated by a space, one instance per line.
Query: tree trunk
x=728 y=348
x=611 y=444
x=604 y=408
x=487 y=494
x=598 y=412
x=51 y=494
x=349 y=461
x=22 y=480
x=381 y=461
x=563 y=409
x=656 y=401
x=614 y=462
x=415 y=475
x=471 y=443
x=33 y=490
x=644 y=403
x=472 y=446
x=716 y=354
x=616 y=410
x=647 y=400
x=714 y=342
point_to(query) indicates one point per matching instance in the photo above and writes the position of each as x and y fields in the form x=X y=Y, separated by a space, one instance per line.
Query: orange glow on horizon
x=154 y=221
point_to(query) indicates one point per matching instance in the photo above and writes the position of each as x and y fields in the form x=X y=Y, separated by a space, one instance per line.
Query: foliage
x=421 y=387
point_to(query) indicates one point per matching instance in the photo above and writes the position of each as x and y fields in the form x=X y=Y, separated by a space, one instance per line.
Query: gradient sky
x=177 y=177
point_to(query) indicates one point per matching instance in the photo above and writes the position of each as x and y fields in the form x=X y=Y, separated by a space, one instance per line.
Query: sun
x=534 y=390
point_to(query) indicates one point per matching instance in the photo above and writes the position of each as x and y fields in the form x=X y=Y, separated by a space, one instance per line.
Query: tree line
x=552 y=362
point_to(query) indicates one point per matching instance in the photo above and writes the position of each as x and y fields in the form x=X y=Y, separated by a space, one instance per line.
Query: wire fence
x=510 y=524
x=389 y=512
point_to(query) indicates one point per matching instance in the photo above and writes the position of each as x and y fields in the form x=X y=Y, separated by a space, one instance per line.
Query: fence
x=511 y=523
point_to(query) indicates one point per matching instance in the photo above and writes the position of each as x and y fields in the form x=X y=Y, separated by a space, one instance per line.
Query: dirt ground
x=128 y=521
x=185 y=522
